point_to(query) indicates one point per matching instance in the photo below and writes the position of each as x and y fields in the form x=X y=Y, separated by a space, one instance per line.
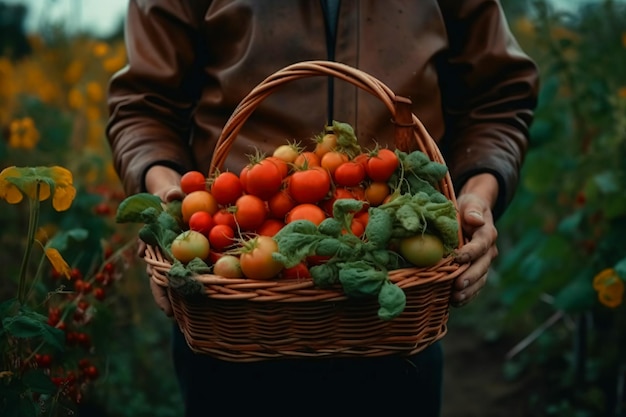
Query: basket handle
x=410 y=133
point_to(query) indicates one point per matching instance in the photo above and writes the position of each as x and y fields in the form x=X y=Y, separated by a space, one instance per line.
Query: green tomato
x=421 y=250
x=190 y=244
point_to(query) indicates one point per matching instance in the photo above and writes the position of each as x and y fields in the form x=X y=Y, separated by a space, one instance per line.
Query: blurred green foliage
x=566 y=223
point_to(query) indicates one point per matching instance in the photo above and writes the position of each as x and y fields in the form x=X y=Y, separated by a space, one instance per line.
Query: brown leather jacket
x=190 y=62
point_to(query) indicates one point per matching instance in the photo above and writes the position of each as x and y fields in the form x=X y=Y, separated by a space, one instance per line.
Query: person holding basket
x=191 y=62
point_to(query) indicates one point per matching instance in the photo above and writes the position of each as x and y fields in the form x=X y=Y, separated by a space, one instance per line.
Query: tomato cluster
x=237 y=214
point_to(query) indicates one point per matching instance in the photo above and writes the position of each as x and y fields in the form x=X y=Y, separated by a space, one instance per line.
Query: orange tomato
x=376 y=193
x=307 y=159
x=256 y=259
x=198 y=201
x=333 y=159
x=306 y=211
x=325 y=143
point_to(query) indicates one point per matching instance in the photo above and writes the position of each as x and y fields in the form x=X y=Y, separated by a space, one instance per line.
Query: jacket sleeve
x=489 y=88
x=151 y=100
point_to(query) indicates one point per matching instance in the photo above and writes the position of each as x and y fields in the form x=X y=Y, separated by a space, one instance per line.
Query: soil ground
x=474 y=382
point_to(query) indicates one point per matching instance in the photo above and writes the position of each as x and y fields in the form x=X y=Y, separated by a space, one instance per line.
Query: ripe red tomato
x=221 y=237
x=357 y=228
x=270 y=227
x=226 y=188
x=309 y=185
x=280 y=204
x=283 y=167
x=349 y=174
x=300 y=271
x=306 y=211
x=256 y=259
x=263 y=179
x=338 y=193
x=382 y=164
x=201 y=221
x=250 y=212
x=193 y=181
x=225 y=216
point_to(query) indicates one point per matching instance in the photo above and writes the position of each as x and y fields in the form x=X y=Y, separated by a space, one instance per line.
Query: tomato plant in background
x=53 y=112
x=563 y=261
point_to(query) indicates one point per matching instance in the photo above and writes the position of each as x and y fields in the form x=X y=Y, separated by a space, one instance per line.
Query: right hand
x=164 y=183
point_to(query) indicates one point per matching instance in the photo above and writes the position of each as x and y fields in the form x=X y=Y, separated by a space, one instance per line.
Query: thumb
x=173 y=193
x=473 y=216
x=472 y=210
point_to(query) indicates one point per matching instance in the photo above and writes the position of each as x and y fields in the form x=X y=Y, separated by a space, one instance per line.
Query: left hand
x=475 y=202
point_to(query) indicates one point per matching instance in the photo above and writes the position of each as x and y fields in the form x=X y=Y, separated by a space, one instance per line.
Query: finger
x=171 y=194
x=482 y=241
x=160 y=297
x=473 y=273
x=461 y=298
x=141 y=248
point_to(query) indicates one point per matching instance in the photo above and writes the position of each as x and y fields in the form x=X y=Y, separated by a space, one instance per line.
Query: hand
x=164 y=183
x=159 y=293
x=474 y=203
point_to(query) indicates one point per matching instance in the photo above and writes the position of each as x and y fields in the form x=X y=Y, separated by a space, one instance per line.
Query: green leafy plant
x=48 y=337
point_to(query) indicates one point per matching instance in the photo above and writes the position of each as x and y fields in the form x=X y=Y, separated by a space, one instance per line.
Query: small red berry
x=91 y=372
x=109 y=267
x=99 y=293
x=75 y=274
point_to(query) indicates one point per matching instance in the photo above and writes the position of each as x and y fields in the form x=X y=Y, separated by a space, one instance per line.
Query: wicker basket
x=245 y=320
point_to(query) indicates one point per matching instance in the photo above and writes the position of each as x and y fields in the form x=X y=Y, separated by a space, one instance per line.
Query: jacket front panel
x=471 y=85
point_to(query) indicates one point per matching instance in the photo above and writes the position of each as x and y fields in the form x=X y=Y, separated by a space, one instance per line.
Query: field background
x=538 y=342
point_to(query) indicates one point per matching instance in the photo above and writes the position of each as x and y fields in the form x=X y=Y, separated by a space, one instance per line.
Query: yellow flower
x=100 y=49
x=45 y=232
x=23 y=133
x=524 y=26
x=610 y=287
x=621 y=93
x=75 y=98
x=94 y=92
x=624 y=39
x=16 y=182
x=93 y=113
x=58 y=263
x=74 y=72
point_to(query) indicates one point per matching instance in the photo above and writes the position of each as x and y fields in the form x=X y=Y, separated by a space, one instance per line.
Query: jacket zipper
x=330 y=9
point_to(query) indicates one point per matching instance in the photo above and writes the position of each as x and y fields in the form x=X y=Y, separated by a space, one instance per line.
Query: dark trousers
x=385 y=386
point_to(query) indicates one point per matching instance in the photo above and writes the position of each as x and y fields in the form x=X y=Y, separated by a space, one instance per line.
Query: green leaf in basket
x=359 y=278
x=392 y=301
x=130 y=209
x=181 y=279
